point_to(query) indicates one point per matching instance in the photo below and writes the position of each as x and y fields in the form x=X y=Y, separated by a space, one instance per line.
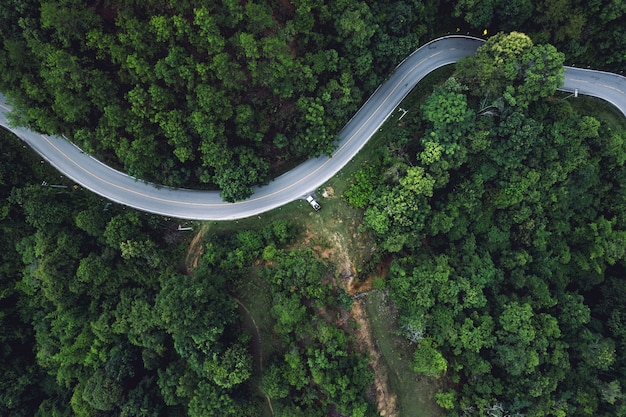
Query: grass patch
x=299 y=211
x=418 y=95
x=255 y=302
x=289 y=212
x=600 y=109
x=416 y=394
x=256 y=297
x=336 y=227
x=411 y=104
x=334 y=232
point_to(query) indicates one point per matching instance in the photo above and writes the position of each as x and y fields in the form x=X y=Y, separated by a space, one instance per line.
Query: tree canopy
x=512 y=67
x=229 y=95
x=99 y=317
x=506 y=225
x=219 y=95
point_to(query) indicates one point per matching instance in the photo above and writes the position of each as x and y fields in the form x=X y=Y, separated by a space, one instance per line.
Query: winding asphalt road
x=313 y=173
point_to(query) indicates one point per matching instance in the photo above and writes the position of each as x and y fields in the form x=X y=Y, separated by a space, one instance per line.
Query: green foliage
x=508 y=251
x=300 y=271
x=515 y=206
x=512 y=67
x=273 y=384
x=428 y=360
x=177 y=93
x=102 y=392
x=477 y=13
x=446 y=399
x=185 y=94
x=235 y=180
x=568 y=24
x=288 y=312
x=362 y=186
x=231 y=368
x=447 y=107
x=41 y=205
x=98 y=322
x=345 y=300
x=315 y=371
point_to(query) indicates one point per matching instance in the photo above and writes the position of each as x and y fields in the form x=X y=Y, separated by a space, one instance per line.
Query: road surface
x=313 y=173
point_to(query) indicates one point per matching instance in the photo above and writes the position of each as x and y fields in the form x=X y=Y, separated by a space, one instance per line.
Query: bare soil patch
x=355 y=287
x=386 y=401
x=328 y=192
x=338 y=239
x=195 y=250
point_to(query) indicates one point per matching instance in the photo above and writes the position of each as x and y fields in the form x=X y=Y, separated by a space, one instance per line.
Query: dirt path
x=256 y=327
x=386 y=401
x=195 y=250
x=258 y=335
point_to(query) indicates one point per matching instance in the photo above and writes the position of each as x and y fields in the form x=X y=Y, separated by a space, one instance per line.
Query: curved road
x=313 y=173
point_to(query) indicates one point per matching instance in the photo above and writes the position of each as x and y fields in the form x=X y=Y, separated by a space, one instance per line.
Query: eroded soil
x=195 y=250
x=386 y=401
x=338 y=251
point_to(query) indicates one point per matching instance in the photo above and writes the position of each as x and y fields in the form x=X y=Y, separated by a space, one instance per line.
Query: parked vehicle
x=313 y=203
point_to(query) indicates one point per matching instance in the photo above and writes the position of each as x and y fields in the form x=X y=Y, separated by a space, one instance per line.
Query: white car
x=313 y=203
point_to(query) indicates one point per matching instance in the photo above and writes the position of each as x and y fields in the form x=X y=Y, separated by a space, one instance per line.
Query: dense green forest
x=230 y=93
x=100 y=318
x=504 y=210
x=215 y=92
x=501 y=205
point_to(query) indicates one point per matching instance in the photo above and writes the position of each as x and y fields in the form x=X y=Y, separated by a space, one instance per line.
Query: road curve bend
x=311 y=174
